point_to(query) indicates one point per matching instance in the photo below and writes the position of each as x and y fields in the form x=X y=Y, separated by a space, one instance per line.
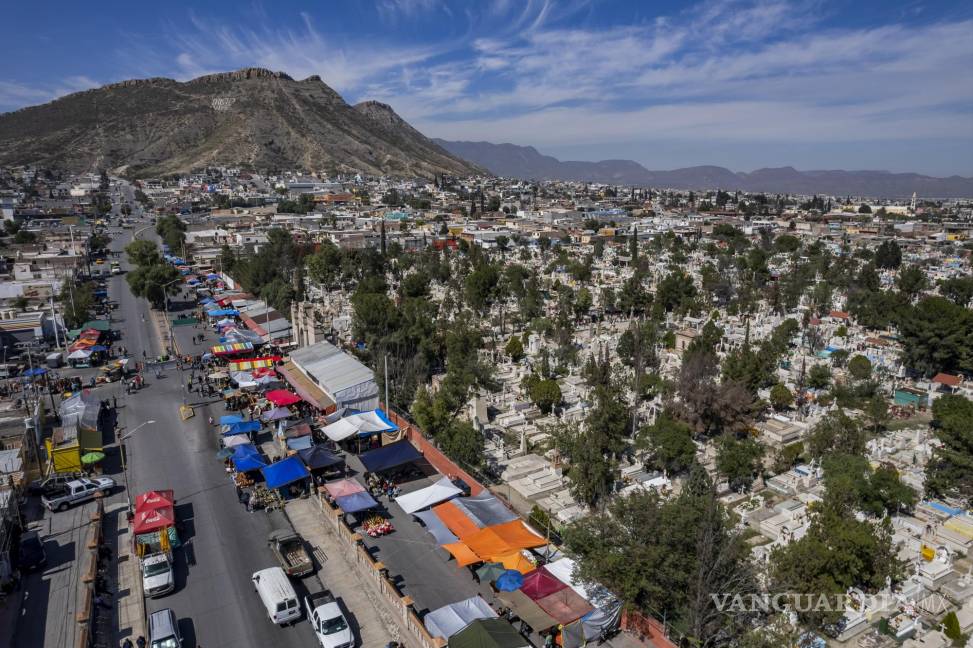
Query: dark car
x=32 y=555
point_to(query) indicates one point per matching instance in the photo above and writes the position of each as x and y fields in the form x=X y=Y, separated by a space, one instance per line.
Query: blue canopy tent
x=230 y=419
x=98 y=347
x=244 y=427
x=300 y=443
x=247 y=457
x=510 y=580
x=223 y=312
x=356 y=502
x=212 y=275
x=319 y=457
x=36 y=371
x=391 y=456
x=284 y=472
x=206 y=300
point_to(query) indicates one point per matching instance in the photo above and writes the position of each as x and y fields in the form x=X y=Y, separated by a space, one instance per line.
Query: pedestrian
x=140 y=642
x=114 y=402
x=210 y=419
x=128 y=643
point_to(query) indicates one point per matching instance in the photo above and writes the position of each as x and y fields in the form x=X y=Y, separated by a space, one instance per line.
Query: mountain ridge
x=526 y=162
x=253 y=117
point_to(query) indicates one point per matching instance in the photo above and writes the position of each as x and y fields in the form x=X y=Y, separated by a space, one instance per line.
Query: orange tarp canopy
x=456 y=520
x=462 y=554
x=502 y=539
x=517 y=561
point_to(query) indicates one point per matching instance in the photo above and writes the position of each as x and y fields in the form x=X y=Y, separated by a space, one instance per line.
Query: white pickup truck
x=329 y=624
x=157 y=576
x=77 y=491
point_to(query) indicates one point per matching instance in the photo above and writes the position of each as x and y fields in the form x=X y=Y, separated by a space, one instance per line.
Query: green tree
x=781 y=397
x=546 y=394
x=463 y=443
x=153 y=282
x=582 y=302
x=937 y=335
x=143 y=253
x=912 y=281
x=819 y=377
x=669 y=445
x=836 y=432
x=950 y=471
x=838 y=552
x=958 y=290
x=77 y=303
x=670 y=559
x=888 y=255
x=739 y=461
x=860 y=367
x=514 y=348
x=172 y=230
x=24 y=237
x=676 y=292
x=876 y=410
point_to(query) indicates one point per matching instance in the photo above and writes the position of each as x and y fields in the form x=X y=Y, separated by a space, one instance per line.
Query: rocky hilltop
x=254 y=118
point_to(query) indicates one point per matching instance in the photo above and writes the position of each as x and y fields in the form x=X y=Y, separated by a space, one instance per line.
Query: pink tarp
x=282 y=397
x=344 y=487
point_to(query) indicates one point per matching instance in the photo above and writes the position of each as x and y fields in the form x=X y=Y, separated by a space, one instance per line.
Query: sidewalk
x=377 y=625
x=10 y=612
x=128 y=599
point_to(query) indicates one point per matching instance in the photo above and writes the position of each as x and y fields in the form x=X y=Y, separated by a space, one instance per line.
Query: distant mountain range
x=526 y=162
x=252 y=118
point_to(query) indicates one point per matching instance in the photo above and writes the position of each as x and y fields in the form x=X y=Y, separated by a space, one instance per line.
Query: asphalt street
x=214 y=598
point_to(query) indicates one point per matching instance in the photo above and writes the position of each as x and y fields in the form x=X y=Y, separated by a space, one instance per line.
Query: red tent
x=282 y=397
x=151 y=520
x=539 y=583
x=155 y=499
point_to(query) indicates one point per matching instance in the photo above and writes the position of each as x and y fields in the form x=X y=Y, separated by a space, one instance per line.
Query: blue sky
x=865 y=84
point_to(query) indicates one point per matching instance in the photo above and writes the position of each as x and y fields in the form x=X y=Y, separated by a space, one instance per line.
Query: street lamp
x=121 y=448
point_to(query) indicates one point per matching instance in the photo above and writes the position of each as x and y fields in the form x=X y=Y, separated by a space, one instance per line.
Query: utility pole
x=387 y=405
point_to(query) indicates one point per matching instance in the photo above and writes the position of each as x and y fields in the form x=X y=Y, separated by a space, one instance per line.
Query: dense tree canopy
x=667 y=558
x=937 y=335
x=950 y=471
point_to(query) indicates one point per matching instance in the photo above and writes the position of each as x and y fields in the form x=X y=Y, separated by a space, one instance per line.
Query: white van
x=277 y=594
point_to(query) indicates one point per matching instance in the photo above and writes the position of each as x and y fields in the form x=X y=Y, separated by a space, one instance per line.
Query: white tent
x=366 y=422
x=563 y=570
x=450 y=619
x=420 y=499
x=243 y=379
x=80 y=354
x=235 y=440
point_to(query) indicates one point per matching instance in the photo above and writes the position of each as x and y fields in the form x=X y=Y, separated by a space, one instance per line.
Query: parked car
x=31 y=555
x=157 y=576
x=164 y=630
x=52 y=483
x=77 y=491
x=288 y=548
x=329 y=624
